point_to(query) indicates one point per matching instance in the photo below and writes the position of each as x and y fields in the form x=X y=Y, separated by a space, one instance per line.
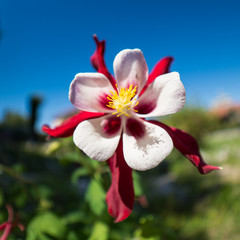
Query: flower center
x=123 y=101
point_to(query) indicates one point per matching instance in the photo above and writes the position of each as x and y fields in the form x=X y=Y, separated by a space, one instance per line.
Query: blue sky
x=45 y=43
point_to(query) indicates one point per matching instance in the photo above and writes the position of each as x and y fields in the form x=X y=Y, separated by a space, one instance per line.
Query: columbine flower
x=145 y=144
x=112 y=126
x=7 y=226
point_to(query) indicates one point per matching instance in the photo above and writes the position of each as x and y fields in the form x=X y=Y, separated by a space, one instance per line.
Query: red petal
x=6 y=232
x=97 y=60
x=188 y=146
x=120 y=196
x=160 y=68
x=10 y=213
x=67 y=128
x=7 y=226
x=3 y=225
x=21 y=226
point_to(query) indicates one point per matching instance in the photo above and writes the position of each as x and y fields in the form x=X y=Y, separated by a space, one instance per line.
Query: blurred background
x=43 y=44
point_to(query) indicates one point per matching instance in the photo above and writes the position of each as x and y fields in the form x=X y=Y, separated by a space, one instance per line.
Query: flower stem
x=13 y=174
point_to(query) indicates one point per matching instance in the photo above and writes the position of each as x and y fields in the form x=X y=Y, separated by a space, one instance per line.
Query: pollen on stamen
x=122 y=100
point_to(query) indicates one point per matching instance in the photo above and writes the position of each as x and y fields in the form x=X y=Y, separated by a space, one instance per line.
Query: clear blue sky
x=45 y=43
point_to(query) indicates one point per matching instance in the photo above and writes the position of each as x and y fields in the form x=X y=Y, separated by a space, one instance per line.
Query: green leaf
x=46 y=224
x=95 y=196
x=93 y=163
x=70 y=157
x=138 y=190
x=100 y=231
x=72 y=236
x=74 y=217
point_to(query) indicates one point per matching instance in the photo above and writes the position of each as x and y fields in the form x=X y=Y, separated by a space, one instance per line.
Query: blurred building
x=226 y=110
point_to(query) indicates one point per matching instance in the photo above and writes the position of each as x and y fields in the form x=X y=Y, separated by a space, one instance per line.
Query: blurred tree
x=35 y=102
x=13 y=127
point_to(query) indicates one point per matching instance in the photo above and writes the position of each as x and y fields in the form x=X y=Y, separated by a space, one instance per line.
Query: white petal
x=130 y=68
x=92 y=139
x=147 y=150
x=88 y=92
x=166 y=95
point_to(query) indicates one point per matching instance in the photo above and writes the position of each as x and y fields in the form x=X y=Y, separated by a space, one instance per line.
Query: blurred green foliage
x=194 y=120
x=59 y=193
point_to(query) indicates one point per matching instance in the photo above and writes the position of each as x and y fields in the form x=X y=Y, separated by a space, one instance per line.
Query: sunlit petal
x=146 y=148
x=130 y=68
x=166 y=95
x=98 y=137
x=88 y=92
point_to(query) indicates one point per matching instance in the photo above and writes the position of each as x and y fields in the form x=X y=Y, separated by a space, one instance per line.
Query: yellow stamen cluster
x=123 y=100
